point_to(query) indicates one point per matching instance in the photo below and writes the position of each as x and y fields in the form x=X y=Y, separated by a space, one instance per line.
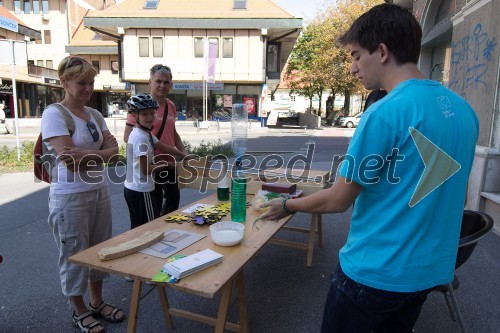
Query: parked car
x=351 y=121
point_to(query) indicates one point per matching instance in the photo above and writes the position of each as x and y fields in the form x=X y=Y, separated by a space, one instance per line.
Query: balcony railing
x=42 y=72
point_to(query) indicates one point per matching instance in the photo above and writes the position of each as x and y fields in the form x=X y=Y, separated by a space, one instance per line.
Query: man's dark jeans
x=352 y=307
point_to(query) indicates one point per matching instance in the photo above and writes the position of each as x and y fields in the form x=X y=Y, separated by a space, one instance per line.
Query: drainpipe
x=495 y=119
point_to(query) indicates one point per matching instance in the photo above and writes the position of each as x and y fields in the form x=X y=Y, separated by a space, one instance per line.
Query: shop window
x=96 y=65
x=227 y=47
x=46 y=37
x=17 y=6
x=27 y=6
x=39 y=63
x=157 y=47
x=143 y=46
x=114 y=67
x=49 y=64
x=45 y=6
x=36 y=6
x=198 y=47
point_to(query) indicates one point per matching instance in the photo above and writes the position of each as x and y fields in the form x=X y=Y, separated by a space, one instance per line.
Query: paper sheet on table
x=174 y=241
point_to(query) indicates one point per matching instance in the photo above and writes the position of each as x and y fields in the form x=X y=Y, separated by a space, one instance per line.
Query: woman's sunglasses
x=73 y=62
x=93 y=131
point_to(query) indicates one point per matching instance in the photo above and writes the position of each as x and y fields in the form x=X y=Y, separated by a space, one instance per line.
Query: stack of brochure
x=192 y=263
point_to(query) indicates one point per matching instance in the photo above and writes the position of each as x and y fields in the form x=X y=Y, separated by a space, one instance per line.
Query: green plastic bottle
x=239 y=199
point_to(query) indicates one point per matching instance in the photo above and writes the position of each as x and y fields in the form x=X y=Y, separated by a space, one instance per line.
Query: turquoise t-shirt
x=401 y=239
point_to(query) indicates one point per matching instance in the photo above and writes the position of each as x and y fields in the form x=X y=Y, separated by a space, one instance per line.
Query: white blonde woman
x=79 y=202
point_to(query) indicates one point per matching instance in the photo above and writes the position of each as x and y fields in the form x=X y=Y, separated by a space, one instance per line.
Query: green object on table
x=238 y=199
x=162 y=276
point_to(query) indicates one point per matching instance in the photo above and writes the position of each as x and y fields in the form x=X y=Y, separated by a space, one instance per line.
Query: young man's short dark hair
x=391 y=25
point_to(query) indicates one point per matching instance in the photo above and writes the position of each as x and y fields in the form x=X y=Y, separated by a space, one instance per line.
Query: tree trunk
x=347 y=102
x=320 y=99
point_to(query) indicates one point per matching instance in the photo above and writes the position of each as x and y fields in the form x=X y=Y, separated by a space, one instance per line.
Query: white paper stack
x=192 y=264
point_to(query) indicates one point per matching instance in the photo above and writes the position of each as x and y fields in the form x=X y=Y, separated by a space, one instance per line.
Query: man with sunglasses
x=79 y=201
x=166 y=193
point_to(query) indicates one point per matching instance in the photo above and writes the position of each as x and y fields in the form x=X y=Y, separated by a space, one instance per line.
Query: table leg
x=320 y=230
x=165 y=307
x=310 y=244
x=223 y=307
x=134 y=306
x=242 y=302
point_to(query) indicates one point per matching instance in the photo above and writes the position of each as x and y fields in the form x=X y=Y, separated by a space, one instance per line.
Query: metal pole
x=14 y=91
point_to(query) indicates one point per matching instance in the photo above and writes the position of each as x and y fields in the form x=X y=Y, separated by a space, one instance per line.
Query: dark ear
x=384 y=52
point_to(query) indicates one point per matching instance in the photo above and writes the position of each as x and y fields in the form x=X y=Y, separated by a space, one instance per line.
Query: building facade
x=253 y=40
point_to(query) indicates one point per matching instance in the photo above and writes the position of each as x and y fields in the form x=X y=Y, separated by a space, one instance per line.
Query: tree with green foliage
x=318 y=62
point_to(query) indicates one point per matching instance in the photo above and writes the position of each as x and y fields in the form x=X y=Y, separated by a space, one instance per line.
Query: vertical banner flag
x=212 y=57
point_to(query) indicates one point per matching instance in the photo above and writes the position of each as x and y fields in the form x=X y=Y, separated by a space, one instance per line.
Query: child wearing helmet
x=141 y=144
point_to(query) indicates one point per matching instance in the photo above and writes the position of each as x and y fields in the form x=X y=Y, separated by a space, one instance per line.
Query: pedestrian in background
x=79 y=202
x=403 y=239
x=166 y=193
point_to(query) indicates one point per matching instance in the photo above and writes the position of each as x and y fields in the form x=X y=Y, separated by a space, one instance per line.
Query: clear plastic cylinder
x=239 y=126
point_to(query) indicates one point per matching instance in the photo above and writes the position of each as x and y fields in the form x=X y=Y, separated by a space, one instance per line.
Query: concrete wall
x=474 y=64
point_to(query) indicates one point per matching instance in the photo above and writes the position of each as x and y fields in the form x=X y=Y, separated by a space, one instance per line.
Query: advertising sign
x=228 y=101
x=9 y=24
x=250 y=102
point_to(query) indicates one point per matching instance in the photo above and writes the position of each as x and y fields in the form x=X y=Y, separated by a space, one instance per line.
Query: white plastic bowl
x=227 y=233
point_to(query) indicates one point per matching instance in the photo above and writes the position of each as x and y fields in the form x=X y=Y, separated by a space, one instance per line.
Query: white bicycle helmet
x=141 y=102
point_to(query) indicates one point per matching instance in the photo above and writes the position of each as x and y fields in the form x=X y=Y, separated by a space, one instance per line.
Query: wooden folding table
x=206 y=283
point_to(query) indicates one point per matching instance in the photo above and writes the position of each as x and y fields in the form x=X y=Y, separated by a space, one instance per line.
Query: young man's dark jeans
x=355 y=308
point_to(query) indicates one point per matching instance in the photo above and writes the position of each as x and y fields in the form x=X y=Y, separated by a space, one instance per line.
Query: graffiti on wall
x=470 y=61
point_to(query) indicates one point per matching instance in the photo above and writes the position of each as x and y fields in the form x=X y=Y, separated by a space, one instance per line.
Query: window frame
x=143 y=53
x=196 y=47
x=45 y=7
x=158 y=54
x=97 y=65
x=224 y=47
x=47 y=36
x=17 y=7
x=277 y=60
x=111 y=65
x=37 y=10
x=27 y=6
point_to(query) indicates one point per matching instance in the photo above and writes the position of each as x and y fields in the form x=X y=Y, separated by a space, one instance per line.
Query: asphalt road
x=283 y=294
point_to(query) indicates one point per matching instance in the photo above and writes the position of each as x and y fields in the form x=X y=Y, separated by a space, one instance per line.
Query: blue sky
x=302 y=8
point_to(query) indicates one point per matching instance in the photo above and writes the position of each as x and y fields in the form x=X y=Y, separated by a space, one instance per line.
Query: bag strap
x=70 y=123
x=165 y=116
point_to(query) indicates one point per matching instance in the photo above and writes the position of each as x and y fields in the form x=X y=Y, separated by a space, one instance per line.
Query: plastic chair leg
x=456 y=309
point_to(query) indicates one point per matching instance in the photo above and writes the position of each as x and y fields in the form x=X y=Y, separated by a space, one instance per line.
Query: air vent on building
x=45 y=17
x=151 y=4
x=239 y=4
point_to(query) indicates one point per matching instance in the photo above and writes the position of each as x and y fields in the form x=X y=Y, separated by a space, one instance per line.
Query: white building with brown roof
x=254 y=39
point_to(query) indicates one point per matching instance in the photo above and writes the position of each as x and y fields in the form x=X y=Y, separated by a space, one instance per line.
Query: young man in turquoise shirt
x=406 y=171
